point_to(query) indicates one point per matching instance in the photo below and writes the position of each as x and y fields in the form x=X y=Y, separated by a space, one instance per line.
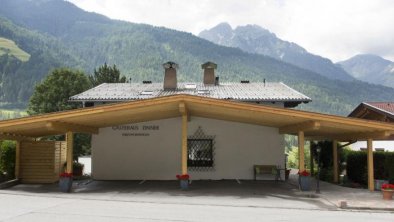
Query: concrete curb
x=367 y=208
x=9 y=183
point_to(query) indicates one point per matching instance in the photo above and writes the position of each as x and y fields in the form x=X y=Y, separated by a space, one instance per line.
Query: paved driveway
x=220 y=193
x=163 y=201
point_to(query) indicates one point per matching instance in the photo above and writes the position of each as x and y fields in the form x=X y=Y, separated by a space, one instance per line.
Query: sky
x=335 y=29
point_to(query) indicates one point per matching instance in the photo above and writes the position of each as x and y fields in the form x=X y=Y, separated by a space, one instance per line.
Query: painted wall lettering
x=137 y=130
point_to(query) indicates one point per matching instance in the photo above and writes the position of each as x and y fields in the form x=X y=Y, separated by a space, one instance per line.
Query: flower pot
x=387 y=194
x=379 y=183
x=65 y=184
x=184 y=184
x=305 y=183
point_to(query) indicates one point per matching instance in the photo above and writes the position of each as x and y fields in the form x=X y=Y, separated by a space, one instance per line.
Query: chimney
x=209 y=72
x=170 y=81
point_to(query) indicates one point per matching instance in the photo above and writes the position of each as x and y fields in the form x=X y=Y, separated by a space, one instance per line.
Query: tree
x=7 y=159
x=52 y=94
x=106 y=74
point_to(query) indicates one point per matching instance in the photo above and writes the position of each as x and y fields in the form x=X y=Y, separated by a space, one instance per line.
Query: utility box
x=42 y=161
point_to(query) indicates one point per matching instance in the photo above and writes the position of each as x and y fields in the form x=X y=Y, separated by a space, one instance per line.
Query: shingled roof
x=382 y=111
x=250 y=92
x=383 y=106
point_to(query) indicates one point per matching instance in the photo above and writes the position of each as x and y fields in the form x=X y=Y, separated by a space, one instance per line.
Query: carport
x=305 y=125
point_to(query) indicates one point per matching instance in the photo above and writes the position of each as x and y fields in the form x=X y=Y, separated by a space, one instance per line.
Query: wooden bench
x=266 y=170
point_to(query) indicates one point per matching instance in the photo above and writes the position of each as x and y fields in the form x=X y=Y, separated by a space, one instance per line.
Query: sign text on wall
x=136 y=130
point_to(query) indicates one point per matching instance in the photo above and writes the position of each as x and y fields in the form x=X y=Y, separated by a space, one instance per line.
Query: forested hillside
x=87 y=40
x=18 y=77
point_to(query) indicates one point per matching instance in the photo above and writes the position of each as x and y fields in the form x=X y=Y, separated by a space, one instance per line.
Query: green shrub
x=389 y=166
x=380 y=165
x=7 y=158
x=356 y=167
x=292 y=158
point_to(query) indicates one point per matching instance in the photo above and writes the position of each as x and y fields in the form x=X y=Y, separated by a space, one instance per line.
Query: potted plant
x=304 y=180
x=387 y=191
x=77 y=169
x=184 y=181
x=65 y=182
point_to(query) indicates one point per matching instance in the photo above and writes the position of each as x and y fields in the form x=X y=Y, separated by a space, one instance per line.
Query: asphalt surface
x=24 y=207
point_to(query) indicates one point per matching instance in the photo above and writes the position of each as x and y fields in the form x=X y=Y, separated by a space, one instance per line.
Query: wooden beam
x=304 y=126
x=364 y=113
x=301 y=158
x=354 y=136
x=370 y=165
x=70 y=149
x=11 y=136
x=182 y=108
x=335 y=160
x=17 y=159
x=65 y=127
x=184 y=144
x=363 y=136
x=184 y=111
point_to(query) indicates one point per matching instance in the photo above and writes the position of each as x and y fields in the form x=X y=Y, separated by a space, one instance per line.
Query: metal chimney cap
x=209 y=65
x=170 y=64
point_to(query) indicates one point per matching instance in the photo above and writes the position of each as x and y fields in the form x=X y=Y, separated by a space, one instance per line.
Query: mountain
x=255 y=39
x=57 y=33
x=26 y=58
x=370 y=68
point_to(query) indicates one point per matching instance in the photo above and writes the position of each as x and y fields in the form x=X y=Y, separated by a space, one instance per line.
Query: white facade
x=382 y=145
x=152 y=150
x=87 y=164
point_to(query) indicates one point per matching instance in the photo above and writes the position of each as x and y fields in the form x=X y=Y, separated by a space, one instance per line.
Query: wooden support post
x=184 y=143
x=370 y=165
x=335 y=160
x=69 y=157
x=17 y=159
x=301 y=158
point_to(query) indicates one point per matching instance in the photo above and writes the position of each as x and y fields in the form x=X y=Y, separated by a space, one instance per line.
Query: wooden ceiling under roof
x=288 y=121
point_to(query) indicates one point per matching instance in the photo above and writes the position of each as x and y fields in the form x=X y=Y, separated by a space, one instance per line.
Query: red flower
x=304 y=173
x=66 y=175
x=387 y=186
x=183 y=177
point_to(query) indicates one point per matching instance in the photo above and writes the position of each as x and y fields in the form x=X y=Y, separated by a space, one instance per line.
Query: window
x=190 y=86
x=145 y=93
x=200 y=153
x=203 y=91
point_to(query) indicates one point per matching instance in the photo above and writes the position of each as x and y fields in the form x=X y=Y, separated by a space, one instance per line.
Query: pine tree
x=106 y=74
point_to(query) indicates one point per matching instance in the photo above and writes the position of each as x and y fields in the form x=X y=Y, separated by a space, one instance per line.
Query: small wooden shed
x=41 y=161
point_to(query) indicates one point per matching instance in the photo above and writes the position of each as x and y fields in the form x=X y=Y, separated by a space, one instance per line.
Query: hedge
x=356 y=166
x=7 y=158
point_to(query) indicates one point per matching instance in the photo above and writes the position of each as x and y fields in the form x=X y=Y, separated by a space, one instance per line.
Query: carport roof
x=288 y=121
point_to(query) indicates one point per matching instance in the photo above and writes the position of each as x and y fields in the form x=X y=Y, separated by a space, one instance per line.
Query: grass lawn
x=12 y=113
x=9 y=47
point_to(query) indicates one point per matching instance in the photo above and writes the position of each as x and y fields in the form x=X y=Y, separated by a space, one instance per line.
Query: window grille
x=200 y=151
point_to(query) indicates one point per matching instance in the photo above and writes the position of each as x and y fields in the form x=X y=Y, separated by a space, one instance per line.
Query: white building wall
x=387 y=145
x=155 y=153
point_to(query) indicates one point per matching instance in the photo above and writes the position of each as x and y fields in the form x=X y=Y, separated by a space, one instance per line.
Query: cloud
x=335 y=29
